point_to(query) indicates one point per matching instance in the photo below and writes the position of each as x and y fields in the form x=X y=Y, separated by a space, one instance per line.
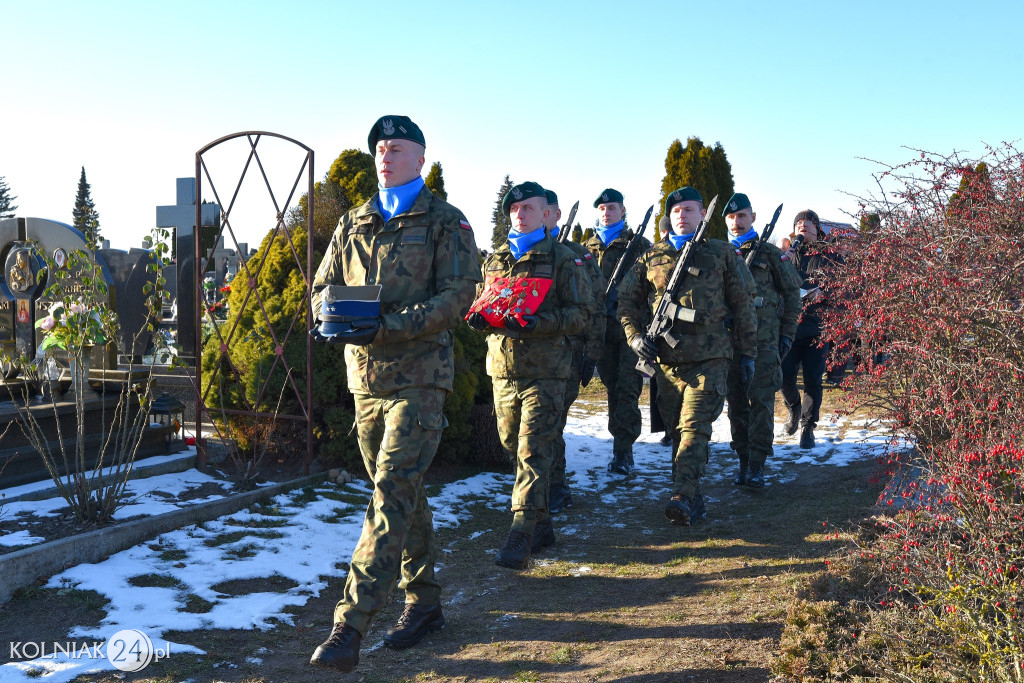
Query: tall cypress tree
x=499 y=220
x=7 y=205
x=705 y=168
x=435 y=181
x=84 y=216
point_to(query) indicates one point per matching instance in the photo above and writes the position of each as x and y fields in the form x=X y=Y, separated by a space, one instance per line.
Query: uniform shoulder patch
x=464 y=225
x=588 y=256
x=783 y=257
x=579 y=261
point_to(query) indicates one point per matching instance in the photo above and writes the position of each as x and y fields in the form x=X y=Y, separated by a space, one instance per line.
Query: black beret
x=737 y=202
x=683 y=194
x=394 y=127
x=607 y=197
x=520 y=192
x=808 y=215
x=552 y=197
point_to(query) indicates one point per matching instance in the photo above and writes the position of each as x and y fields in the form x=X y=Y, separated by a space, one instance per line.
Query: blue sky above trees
x=577 y=96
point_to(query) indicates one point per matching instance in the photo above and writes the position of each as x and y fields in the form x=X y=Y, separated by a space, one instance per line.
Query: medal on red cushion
x=502 y=296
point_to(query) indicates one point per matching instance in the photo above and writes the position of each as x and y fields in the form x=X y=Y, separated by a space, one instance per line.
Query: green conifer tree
x=705 y=168
x=355 y=173
x=84 y=215
x=7 y=205
x=499 y=220
x=435 y=181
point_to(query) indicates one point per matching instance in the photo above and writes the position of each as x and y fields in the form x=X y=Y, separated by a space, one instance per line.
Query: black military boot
x=683 y=511
x=340 y=651
x=543 y=536
x=741 y=474
x=559 y=498
x=807 y=437
x=792 y=421
x=619 y=464
x=755 y=476
x=516 y=553
x=414 y=623
x=666 y=440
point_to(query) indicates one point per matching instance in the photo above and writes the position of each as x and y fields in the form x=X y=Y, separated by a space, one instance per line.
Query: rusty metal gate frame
x=201 y=266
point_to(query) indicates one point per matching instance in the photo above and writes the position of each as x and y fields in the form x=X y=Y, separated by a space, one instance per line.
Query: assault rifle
x=668 y=311
x=765 y=236
x=563 y=236
x=611 y=292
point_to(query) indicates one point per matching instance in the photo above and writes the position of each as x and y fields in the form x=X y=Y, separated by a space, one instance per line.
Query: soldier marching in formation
x=618 y=363
x=400 y=368
x=752 y=410
x=542 y=305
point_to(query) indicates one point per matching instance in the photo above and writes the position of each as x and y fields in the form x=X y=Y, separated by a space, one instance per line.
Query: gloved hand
x=587 y=368
x=746 y=371
x=477 y=322
x=362 y=332
x=611 y=303
x=644 y=347
x=528 y=325
x=785 y=344
x=316 y=334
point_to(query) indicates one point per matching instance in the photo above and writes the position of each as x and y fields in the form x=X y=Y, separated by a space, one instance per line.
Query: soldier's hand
x=785 y=344
x=746 y=371
x=317 y=335
x=361 y=332
x=644 y=347
x=477 y=322
x=528 y=323
x=587 y=368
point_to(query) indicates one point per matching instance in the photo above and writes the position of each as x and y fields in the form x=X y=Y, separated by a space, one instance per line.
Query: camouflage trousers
x=695 y=392
x=572 y=392
x=528 y=412
x=752 y=412
x=618 y=373
x=398 y=436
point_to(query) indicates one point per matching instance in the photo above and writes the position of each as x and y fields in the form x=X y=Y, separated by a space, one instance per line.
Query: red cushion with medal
x=521 y=296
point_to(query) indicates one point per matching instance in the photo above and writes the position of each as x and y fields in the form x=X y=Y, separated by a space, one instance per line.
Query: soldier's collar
x=366 y=212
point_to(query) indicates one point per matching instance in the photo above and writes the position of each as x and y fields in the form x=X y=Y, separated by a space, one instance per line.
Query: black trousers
x=809 y=354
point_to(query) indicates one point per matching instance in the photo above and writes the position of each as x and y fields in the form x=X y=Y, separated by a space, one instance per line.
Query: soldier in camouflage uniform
x=752 y=412
x=422 y=251
x=718 y=286
x=529 y=357
x=618 y=363
x=586 y=351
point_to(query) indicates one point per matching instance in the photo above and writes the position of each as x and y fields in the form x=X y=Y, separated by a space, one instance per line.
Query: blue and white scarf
x=397 y=200
x=521 y=242
x=744 y=238
x=608 y=234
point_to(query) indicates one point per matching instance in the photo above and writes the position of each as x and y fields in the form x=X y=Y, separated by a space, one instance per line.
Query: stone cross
x=181 y=217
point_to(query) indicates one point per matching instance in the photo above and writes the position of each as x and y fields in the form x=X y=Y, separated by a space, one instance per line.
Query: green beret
x=552 y=197
x=520 y=192
x=737 y=202
x=607 y=197
x=393 y=127
x=683 y=194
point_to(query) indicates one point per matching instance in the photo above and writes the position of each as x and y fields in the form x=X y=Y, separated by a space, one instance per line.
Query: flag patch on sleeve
x=464 y=225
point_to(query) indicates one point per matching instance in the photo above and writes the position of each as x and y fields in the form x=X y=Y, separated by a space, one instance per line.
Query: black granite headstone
x=130 y=273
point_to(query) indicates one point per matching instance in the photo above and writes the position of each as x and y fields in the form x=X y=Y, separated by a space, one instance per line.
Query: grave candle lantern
x=169 y=412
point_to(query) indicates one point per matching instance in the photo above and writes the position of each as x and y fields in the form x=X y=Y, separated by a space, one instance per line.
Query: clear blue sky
x=578 y=96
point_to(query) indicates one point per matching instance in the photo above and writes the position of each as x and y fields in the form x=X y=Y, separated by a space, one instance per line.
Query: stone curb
x=22 y=567
x=139 y=471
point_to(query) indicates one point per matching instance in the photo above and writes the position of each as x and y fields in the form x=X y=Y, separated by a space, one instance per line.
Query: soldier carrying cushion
x=535 y=294
x=717 y=286
x=400 y=369
x=752 y=411
x=586 y=351
x=618 y=364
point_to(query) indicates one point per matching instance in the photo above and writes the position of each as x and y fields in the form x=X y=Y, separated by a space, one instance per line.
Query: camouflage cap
x=552 y=197
x=608 y=196
x=520 y=192
x=683 y=194
x=737 y=202
x=394 y=127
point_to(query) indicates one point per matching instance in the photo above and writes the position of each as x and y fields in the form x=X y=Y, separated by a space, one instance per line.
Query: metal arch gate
x=202 y=266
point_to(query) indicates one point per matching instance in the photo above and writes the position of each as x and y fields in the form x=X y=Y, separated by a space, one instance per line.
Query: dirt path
x=622 y=596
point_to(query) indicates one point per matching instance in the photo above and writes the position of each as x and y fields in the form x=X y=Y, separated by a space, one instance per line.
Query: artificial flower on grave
x=71 y=326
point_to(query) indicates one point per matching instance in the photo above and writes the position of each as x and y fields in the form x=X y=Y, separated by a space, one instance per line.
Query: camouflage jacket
x=594 y=335
x=607 y=257
x=545 y=352
x=427 y=263
x=778 y=293
x=722 y=289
